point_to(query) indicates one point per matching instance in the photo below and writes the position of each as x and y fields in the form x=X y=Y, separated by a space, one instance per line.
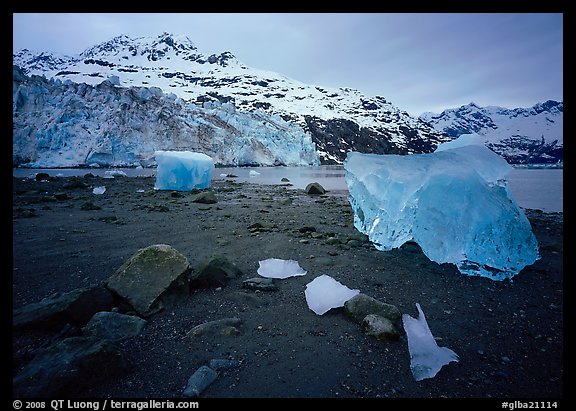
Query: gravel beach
x=508 y=334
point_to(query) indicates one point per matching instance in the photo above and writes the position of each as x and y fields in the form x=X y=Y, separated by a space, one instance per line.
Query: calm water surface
x=537 y=188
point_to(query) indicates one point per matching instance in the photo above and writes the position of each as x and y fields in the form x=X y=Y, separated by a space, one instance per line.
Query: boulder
x=260 y=283
x=359 y=306
x=152 y=279
x=314 y=188
x=205 y=197
x=114 y=326
x=68 y=367
x=379 y=327
x=225 y=327
x=215 y=271
x=74 y=307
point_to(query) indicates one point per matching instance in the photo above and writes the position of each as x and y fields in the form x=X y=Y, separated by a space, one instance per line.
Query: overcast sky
x=417 y=61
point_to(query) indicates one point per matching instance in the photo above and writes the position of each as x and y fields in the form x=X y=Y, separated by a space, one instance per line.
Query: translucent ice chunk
x=254 y=173
x=426 y=358
x=454 y=203
x=277 y=268
x=182 y=170
x=324 y=293
x=99 y=190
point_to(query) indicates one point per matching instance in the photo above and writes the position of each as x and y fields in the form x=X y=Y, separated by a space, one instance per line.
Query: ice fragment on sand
x=426 y=358
x=99 y=190
x=324 y=293
x=182 y=170
x=277 y=268
x=254 y=173
x=454 y=203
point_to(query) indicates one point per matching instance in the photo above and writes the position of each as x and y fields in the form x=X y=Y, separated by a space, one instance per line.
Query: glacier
x=65 y=124
x=454 y=203
x=182 y=170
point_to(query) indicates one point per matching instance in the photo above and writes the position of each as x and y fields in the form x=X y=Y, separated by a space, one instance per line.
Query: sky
x=417 y=61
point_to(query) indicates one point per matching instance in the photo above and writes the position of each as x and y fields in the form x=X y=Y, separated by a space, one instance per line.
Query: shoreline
x=502 y=331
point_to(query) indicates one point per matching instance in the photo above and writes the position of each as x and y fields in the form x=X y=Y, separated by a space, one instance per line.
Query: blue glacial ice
x=454 y=203
x=182 y=170
x=426 y=358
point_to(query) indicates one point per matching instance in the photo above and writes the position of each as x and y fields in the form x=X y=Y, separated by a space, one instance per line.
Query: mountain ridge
x=339 y=119
x=176 y=65
x=520 y=135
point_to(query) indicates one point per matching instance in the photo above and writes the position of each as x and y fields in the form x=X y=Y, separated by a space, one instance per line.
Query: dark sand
x=508 y=334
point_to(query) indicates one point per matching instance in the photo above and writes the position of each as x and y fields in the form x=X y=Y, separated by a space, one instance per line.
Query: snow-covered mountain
x=338 y=119
x=67 y=124
x=520 y=135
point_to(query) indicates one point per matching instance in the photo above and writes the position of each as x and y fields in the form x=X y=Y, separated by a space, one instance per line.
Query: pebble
x=199 y=381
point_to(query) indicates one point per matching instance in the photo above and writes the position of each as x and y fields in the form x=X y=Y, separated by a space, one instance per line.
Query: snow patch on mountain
x=339 y=119
x=520 y=135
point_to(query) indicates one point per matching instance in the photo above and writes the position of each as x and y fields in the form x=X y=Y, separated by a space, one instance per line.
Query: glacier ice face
x=74 y=124
x=278 y=268
x=454 y=203
x=426 y=358
x=182 y=170
x=324 y=293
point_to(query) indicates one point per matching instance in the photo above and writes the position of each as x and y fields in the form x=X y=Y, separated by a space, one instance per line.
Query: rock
x=333 y=241
x=359 y=306
x=354 y=243
x=218 y=364
x=113 y=326
x=205 y=197
x=89 y=205
x=155 y=277
x=307 y=229
x=61 y=196
x=199 y=381
x=314 y=188
x=285 y=180
x=379 y=327
x=42 y=176
x=259 y=283
x=226 y=327
x=75 y=307
x=69 y=367
x=75 y=182
x=247 y=299
x=262 y=226
x=215 y=271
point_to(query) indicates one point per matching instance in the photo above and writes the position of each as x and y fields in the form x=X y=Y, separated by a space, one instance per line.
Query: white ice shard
x=99 y=190
x=426 y=358
x=324 y=293
x=182 y=170
x=277 y=268
x=254 y=173
x=454 y=203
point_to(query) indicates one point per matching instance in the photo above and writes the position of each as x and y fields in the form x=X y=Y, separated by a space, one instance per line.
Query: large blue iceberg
x=454 y=203
x=182 y=170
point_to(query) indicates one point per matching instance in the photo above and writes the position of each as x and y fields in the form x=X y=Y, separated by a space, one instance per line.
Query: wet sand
x=508 y=334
